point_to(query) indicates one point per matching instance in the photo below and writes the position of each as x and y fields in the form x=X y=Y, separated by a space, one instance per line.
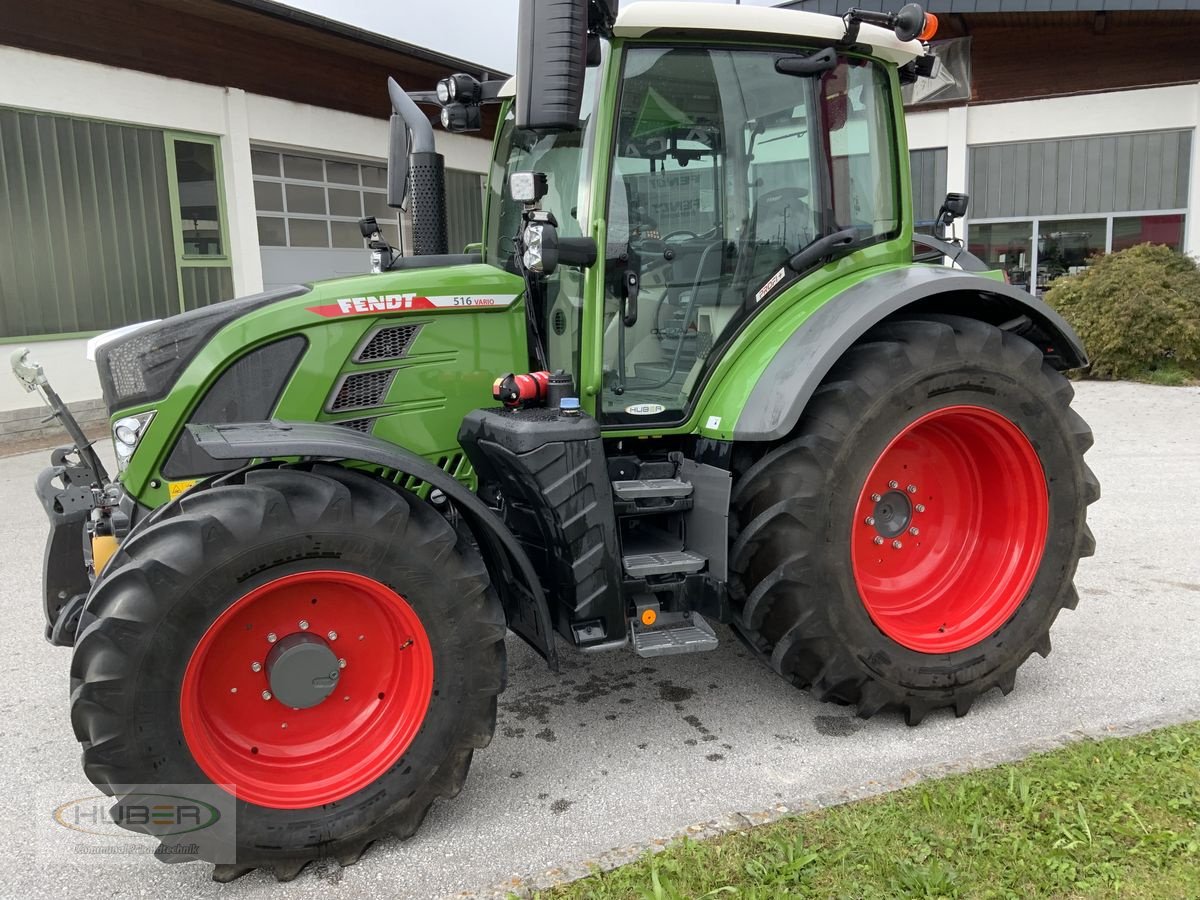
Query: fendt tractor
x=701 y=369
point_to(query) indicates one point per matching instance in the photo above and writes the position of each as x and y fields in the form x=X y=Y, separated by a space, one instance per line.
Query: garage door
x=308 y=212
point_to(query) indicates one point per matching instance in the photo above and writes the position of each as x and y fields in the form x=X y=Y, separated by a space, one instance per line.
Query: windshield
x=565 y=158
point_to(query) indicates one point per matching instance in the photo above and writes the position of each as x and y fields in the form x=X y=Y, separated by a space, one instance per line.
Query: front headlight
x=533 y=248
x=127 y=432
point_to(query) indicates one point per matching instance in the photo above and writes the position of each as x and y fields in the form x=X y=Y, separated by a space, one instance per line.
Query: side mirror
x=953 y=207
x=397 y=170
x=552 y=53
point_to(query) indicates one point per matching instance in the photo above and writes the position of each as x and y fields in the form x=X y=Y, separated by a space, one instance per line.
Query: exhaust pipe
x=418 y=167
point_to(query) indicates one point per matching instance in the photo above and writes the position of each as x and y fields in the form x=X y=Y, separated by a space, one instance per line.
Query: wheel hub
x=892 y=514
x=302 y=670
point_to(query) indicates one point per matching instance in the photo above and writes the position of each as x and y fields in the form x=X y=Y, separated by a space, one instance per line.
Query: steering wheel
x=685 y=233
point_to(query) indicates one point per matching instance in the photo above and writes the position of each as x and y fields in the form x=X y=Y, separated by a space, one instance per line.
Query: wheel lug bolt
x=271 y=638
x=876 y=497
x=332 y=635
x=341 y=663
x=893 y=484
x=914 y=531
x=870 y=520
x=304 y=624
x=912 y=488
x=920 y=507
x=233 y=690
x=283 y=724
x=897 y=544
x=255 y=667
x=266 y=695
x=878 y=539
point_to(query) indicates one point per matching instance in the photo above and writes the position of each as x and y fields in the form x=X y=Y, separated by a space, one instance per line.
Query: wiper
x=824 y=249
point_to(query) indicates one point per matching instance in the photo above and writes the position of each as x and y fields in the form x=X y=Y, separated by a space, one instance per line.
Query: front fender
x=783 y=389
x=512 y=571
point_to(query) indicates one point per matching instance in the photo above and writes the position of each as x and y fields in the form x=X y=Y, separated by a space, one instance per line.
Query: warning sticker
x=175 y=488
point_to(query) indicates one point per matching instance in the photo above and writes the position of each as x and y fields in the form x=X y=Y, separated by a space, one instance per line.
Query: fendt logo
x=359 y=306
x=157 y=814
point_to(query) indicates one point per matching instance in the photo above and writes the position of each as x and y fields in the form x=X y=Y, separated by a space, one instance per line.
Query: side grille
x=456 y=465
x=361 y=390
x=363 y=425
x=389 y=342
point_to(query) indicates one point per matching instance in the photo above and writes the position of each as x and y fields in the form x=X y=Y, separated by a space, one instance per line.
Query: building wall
x=1171 y=108
x=42 y=82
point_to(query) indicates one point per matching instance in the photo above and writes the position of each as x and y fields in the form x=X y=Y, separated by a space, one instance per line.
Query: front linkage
x=89 y=513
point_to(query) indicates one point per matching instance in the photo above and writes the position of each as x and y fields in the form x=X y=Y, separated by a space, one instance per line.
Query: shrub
x=1137 y=311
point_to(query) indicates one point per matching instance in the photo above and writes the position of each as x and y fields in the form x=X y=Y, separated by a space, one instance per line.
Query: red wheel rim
x=278 y=756
x=949 y=529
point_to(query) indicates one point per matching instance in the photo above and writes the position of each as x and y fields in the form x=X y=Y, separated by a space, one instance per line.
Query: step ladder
x=657 y=554
x=672 y=634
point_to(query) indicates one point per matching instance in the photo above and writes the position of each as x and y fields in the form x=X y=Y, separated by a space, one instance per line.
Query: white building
x=1070 y=123
x=157 y=157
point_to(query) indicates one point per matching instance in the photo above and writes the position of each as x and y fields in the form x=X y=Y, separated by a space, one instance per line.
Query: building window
x=205 y=271
x=315 y=202
x=928 y=169
x=1065 y=245
x=199 y=198
x=1004 y=245
x=104 y=224
x=1129 y=231
x=1043 y=209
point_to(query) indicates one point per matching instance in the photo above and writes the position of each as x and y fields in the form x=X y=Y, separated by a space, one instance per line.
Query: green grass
x=1169 y=374
x=1115 y=818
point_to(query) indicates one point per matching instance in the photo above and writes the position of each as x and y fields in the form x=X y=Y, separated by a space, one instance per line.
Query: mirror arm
x=420 y=127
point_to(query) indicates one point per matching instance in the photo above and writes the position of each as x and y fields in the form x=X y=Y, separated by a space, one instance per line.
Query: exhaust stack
x=414 y=165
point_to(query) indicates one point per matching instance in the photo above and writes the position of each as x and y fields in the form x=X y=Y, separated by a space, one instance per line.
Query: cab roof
x=650 y=17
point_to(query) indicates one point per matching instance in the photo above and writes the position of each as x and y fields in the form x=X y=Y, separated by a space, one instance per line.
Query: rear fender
x=775 y=403
x=521 y=593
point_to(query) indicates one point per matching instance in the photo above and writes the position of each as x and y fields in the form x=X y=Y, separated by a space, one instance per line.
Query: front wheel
x=911 y=546
x=315 y=639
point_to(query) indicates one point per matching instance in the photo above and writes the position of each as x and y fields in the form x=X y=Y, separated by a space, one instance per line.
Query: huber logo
x=156 y=814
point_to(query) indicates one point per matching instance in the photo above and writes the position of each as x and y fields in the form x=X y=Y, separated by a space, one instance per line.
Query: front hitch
x=81 y=504
x=33 y=379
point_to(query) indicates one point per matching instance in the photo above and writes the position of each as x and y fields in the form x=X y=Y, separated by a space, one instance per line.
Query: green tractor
x=692 y=374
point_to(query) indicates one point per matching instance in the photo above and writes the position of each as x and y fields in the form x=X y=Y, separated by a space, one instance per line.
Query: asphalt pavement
x=619 y=751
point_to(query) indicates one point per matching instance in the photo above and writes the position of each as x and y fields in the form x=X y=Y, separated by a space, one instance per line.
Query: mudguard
x=788 y=382
x=512 y=572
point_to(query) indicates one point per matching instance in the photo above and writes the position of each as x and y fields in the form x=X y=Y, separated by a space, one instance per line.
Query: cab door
x=724 y=167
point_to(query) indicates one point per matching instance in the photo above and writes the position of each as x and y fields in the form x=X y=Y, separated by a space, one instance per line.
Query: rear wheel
x=912 y=544
x=310 y=635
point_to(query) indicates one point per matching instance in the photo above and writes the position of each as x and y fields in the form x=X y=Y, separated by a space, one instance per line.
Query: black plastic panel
x=551 y=472
x=143 y=366
x=245 y=392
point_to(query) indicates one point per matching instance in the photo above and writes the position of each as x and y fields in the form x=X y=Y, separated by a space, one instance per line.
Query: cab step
x=666 y=562
x=672 y=634
x=651 y=487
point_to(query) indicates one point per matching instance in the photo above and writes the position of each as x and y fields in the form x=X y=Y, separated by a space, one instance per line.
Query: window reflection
x=199 y=206
x=1006 y=246
x=1066 y=246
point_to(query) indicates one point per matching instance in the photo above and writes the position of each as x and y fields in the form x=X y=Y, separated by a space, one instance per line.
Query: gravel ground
x=618 y=750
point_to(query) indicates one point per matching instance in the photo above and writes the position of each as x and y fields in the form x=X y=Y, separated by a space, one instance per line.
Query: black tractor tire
x=172 y=580
x=796 y=593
